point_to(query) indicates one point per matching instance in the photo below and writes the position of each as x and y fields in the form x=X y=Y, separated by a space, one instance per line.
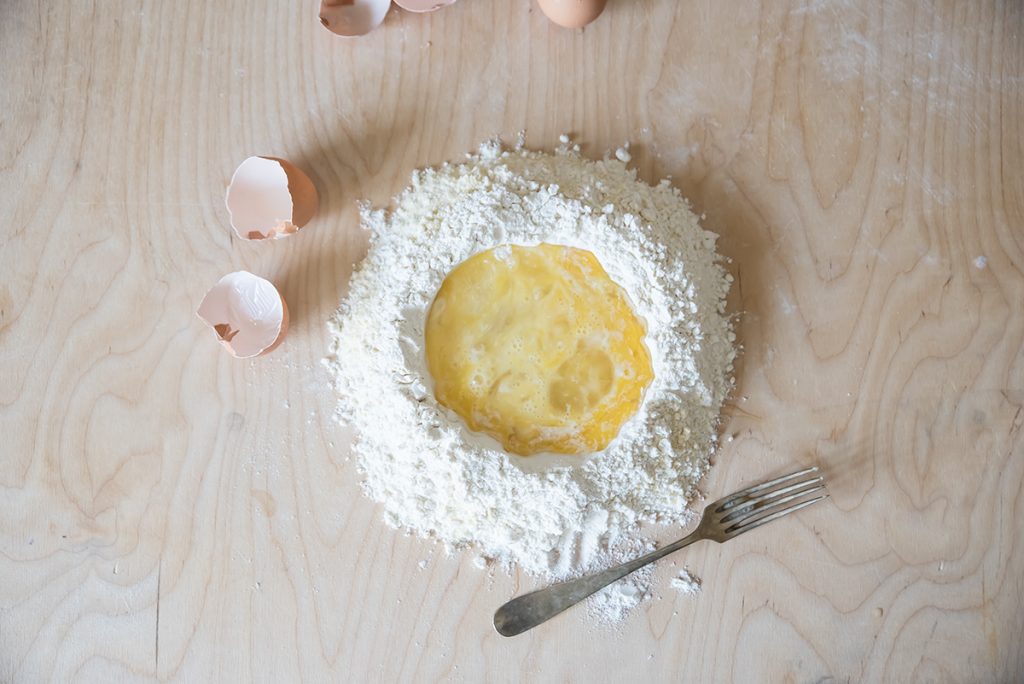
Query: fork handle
x=529 y=610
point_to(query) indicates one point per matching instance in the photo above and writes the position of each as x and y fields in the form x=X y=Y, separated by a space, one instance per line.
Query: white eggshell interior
x=248 y=304
x=258 y=198
x=355 y=19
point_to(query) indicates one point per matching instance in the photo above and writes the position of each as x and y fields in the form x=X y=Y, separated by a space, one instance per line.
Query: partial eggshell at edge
x=269 y=198
x=247 y=313
x=423 y=5
x=572 y=13
x=353 y=17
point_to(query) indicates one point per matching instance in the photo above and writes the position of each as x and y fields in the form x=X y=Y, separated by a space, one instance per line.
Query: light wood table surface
x=171 y=513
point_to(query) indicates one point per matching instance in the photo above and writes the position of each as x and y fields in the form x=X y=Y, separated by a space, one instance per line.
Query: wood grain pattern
x=171 y=513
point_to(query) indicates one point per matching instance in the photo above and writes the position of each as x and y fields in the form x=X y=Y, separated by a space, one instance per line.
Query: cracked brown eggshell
x=353 y=17
x=246 y=312
x=269 y=198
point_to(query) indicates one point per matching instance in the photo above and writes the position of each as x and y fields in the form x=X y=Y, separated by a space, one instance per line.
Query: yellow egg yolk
x=537 y=347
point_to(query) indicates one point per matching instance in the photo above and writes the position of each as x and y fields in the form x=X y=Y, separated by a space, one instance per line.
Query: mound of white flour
x=559 y=516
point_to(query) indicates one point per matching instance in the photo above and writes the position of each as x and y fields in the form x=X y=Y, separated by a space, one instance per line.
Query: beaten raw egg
x=537 y=347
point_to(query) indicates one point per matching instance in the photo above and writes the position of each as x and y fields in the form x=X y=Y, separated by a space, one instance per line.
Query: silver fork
x=722 y=520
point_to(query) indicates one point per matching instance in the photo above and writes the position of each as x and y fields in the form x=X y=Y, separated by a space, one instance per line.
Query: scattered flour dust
x=551 y=516
x=686 y=583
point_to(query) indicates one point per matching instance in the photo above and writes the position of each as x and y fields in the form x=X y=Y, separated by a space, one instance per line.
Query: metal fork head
x=758 y=505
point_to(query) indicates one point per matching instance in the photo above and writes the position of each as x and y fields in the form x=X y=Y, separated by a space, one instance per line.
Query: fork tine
x=732 y=499
x=747 y=500
x=781 y=496
x=743 y=526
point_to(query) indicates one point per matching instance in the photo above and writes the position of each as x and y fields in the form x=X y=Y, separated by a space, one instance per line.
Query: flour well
x=551 y=516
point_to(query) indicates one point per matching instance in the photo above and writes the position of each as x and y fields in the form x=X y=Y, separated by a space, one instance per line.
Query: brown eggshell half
x=269 y=198
x=247 y=313
x=572 y=13
x=353 y=17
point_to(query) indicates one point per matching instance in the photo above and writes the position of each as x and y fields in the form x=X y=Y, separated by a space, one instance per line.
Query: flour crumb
x=686 y=583
x=422 y=565
x=612 y=604
x=551 y=517
x=981 y=262
x=623 y=155
x=564 y=139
